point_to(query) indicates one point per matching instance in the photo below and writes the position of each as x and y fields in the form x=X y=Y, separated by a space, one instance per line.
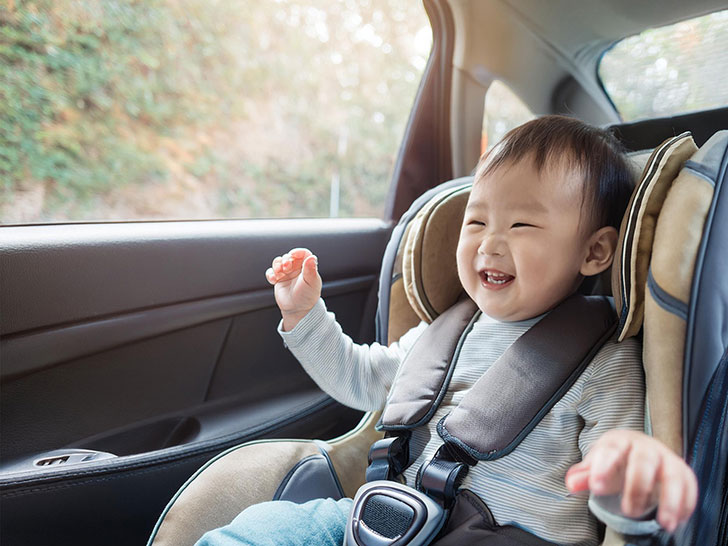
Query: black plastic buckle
x=386 y=513
x=388 y=458
x=440 y=477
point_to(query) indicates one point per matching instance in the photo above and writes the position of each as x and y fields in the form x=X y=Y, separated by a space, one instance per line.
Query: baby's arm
x=356 y=375
x=644 y=470
x=297 y=284
x=619 y=457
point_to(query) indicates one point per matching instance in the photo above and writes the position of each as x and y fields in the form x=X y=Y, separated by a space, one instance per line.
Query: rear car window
x=179 y=109
x=669 y=70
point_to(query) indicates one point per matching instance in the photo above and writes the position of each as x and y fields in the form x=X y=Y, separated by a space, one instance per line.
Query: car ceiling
x=536 y=47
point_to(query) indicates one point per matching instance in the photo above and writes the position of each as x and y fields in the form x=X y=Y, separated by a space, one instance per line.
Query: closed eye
x=476 y=223
x=521 y=224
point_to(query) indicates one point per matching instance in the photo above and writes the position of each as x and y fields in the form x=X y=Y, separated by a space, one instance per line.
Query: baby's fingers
x=291 y=260
x=671 y=496
x=300 y=253
x=282 y=264
x=608 y=461
x=288 y=266
x=678 y=495
x=640 y=481
x=277 y=265
x=690 y=499
x=283 y=268
x=577 y=477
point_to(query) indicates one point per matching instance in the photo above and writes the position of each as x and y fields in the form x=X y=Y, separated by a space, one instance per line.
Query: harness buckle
x=388 y=513
x=441 y=479
x=388 y=458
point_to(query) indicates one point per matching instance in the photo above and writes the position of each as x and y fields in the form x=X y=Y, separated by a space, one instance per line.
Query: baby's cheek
x=462 y=268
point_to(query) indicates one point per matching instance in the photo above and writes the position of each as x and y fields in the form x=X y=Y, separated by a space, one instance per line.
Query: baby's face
x=521 y=248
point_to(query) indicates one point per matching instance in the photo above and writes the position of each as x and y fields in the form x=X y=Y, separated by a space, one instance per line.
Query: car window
x=503 y=111
x=177 y=109
x=669 y=70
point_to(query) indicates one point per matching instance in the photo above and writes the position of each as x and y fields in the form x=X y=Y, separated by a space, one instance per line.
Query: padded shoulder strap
x=522 y=386
x=426 y=371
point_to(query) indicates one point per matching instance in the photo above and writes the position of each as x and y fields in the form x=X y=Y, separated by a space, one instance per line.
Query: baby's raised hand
x=297 y=284
x=644 y=470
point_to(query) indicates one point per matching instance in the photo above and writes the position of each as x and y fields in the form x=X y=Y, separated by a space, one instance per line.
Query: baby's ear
x=601 y=247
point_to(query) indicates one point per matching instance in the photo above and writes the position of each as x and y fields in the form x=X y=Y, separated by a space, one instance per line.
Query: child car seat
x=671 y=284
x=308 y=469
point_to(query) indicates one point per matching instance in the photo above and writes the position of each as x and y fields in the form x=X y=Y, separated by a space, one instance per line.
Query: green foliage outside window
x=669 y=70
x=198 y=108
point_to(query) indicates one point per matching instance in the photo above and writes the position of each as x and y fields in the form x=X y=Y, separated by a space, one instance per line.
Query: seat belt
x=529 y=378
x=520 y=388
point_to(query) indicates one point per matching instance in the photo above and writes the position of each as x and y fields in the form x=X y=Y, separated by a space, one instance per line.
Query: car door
x=132 y=352
x=156 y=343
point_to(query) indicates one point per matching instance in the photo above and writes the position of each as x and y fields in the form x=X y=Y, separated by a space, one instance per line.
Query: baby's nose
x=491 y=245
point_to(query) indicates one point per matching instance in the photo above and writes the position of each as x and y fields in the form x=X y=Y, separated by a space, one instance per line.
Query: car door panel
x=118 y=503
x=119 y=267
x=156 y=342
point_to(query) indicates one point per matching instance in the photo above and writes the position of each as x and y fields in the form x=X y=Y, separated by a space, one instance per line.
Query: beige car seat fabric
x=250 y=474
x=631 y=262
x=640 y=248
x=219 y=492
x=429 y=267
x=401 y=315
x=678 y=235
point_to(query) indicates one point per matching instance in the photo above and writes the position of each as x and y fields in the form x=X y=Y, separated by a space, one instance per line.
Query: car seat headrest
x=426 y=256
x=634 y=249
x=429 y=268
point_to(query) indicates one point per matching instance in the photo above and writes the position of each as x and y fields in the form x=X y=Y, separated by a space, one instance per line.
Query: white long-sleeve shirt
x=526 y=487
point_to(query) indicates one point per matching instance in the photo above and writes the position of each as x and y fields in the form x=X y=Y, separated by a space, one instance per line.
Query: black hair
x=559 y=140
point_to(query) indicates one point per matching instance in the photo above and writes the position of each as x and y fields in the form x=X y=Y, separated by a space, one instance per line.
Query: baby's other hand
x=297 y=284
x=644 y=470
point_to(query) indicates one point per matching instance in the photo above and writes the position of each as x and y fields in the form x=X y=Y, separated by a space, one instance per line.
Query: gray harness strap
x=516 y=392
x=427 y=369
x=491 y=420
x=522 y=386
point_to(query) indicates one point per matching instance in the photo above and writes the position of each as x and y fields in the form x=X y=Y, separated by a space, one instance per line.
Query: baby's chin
x=514 y=316
x=510 y=313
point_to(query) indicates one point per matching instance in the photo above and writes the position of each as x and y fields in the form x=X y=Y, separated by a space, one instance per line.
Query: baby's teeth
x=497 y=279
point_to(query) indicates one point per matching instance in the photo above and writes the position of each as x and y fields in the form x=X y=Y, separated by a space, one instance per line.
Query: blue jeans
x=319 y=521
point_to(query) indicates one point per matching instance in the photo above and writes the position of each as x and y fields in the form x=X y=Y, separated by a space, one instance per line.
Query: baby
x=542 y=215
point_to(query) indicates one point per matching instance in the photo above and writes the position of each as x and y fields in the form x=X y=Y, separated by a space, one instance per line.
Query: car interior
x=424 y=286
x=134 y=352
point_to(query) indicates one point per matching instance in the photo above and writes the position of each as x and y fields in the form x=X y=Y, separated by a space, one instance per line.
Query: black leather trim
x=28 y=353
x=120 y=505
x=705 y=340
x=14 y=484
x=312 y=477
x=709 y=523
x=60 y=275
x=649 y=133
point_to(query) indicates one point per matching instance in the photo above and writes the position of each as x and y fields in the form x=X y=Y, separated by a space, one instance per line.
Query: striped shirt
x=526 y=487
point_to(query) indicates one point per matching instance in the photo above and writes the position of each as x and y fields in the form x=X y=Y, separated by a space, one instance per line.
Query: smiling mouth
x=495 y=280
